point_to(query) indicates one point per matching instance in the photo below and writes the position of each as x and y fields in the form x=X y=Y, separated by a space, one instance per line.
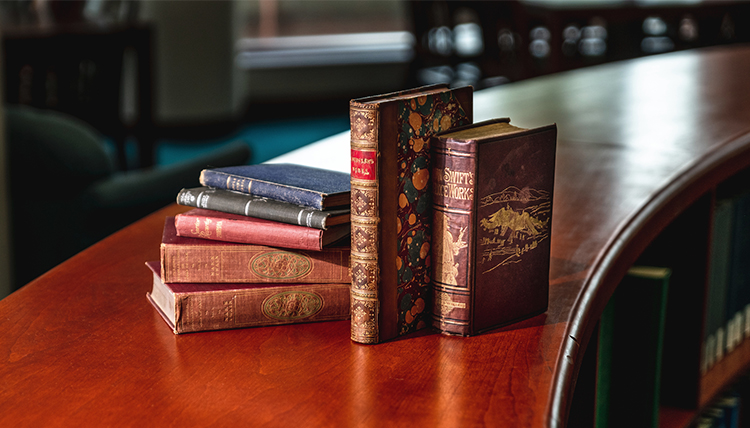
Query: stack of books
x=445 y=222
x=264 y=245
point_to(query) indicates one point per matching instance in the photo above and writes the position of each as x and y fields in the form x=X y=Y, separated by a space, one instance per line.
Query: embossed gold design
x=363 y=124
x=363 y=274
x=292 y=305
x=280 y=265
x=364 y=321
x=447 y=268
x=510 y=232
x=363 y=202
x=364 y=236
x=445 y=304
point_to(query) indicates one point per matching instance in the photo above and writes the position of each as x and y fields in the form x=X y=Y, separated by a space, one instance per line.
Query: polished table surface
x=638 y=142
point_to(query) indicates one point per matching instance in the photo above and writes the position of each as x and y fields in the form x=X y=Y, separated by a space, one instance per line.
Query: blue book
x=296 y=184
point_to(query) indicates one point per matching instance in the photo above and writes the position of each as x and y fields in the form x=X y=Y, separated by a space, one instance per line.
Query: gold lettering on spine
x=206 y=232
x=364 y=222
x=453 y=189
x=361 y=166
x=454 y=184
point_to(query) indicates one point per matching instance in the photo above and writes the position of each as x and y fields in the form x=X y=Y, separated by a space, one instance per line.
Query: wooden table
x=639 y=141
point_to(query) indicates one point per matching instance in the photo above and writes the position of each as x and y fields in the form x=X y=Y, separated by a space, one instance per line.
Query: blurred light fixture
x=539 y=45
x=571 y=35
x=688 y=29
x=652 y=45
x=654 y=26
x=440 y=41
x=506 y=40
x=593 y=40
x=468 y=40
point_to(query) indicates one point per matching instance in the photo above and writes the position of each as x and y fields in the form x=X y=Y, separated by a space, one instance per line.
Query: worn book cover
x=206 y=261
x=232 y=202
x=492 y=208
x=220 y=226
x=298 y=184
x=190 y=308
x=390 y=202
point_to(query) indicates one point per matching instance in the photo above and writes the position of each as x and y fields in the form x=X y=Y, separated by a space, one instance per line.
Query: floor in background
x=266 y=139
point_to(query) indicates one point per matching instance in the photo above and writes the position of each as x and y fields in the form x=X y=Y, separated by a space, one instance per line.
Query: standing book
x=220 y=226
x=190 y=308
x=390 y=202
x=492 y=216
x=194 y=260
x=298 y=184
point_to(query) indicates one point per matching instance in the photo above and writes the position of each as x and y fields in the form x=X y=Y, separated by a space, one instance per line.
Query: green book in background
x=631 y=333
x=718 y=282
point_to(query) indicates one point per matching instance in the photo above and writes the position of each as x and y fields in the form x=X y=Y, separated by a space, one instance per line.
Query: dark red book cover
x=193 y=260
x=221 y=226
x=492 y=210
x=201 y=307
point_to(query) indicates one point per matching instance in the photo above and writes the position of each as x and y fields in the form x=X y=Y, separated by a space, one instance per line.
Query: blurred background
x=110 y=107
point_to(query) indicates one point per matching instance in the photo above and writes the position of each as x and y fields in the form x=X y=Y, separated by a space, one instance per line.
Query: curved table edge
x=624 y=246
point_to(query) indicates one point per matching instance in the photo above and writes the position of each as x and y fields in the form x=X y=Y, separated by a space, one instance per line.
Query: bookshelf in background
x=702 y=375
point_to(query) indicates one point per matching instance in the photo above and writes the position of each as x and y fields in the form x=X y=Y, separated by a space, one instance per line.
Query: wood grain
x=639 y=142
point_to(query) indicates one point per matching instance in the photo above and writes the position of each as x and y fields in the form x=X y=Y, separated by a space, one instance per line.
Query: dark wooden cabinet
x=85 y=69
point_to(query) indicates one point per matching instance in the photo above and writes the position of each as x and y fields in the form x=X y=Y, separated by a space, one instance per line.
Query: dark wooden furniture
x=640 y=143
x=78 y=68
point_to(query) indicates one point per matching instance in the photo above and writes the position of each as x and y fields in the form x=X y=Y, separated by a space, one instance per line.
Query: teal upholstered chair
x=66 y=193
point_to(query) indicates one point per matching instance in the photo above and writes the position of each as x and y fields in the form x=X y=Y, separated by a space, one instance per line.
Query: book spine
x=251 y=206
x=280 y=192
x=235 y=263
x=228 y=309
x=453 y=189
x=364 y=222
x=274 y=235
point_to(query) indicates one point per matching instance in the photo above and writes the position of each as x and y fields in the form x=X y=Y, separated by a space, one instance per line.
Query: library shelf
x=641 y=143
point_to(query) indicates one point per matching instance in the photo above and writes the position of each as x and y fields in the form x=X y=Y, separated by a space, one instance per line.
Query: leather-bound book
x=195 y=260
x=220 y=226
x=190 y=308
x=390 y=205
x=232 y=202
x=298 y=184
x=492 y=209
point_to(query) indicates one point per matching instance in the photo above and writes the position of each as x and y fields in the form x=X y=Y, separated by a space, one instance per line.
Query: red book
x=221 y=226
x=201 y=307
x=187 y=260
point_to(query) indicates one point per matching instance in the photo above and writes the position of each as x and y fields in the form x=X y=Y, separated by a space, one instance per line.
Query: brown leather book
x=492 y=217
x=390 y=205
x=194 y=260
x=202 y=307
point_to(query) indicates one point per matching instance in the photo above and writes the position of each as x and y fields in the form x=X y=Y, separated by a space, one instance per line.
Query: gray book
x=257 y=206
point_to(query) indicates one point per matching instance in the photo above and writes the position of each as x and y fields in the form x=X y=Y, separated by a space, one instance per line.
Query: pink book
x=220 y=226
